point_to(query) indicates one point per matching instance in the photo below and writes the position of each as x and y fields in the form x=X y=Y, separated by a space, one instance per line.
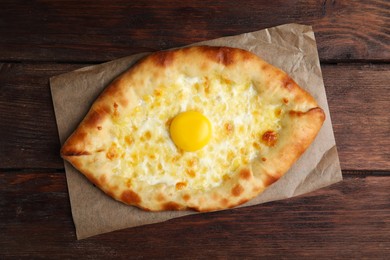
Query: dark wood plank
x=349 y=219
x=357 y=94
x=29 y=137
x=359 y=102
x=98 y=31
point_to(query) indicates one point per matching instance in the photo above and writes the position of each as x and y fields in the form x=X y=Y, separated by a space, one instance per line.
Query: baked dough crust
x=87 y=149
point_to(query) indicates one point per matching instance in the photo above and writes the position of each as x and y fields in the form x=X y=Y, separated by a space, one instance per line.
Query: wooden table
x=39 y=39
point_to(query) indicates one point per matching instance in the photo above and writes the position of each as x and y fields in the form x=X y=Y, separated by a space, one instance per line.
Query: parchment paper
x=291 y=47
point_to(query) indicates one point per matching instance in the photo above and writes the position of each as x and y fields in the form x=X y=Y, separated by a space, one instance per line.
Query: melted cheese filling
x=239 y=118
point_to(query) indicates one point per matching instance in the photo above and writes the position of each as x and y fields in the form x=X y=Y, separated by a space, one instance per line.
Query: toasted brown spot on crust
x=242 y=201
x=312 y=110
x=104 y=109
x=99 y=127
x=256 y=189
x=191 y=173
x=110 y=193
x=229 y=127
x=103 y=179
x=285 y=100
x=128 y=140
x=92 y=179
x=269 y=179
x=269 y=138
x=288 y=83
x=245 y=174
x=186 y=197
x=157 y=92
x=230 y=155
x=116 y=113
x=72 y=146
x=192 y=162
x=113 y=89
x=123 y=101
x=148 y=135
x=171 y=206
x=207 y=88
x=75 y=153
x=112 y=152
x=163 y=58
x=175 y=158
x=263 y=159
x=180 y=185
x=278 y=112
x=79 y=136
x=319 y=111
x=160 y=197
x=237 y=190
x=264 y=67
x=93 y=119
x=215 y=196
x=205 y=66
x=295 y=113
x=225 y=56
x=130 y=197
x=197 y=87
x=128 y=183
x=226 y=81
x=224 y=202
x=143 y=208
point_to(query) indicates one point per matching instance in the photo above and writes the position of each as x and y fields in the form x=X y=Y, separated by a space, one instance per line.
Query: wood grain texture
x=95 y=31
x=349 y=219
x=357 y=95
x=29 y=137
x=359 y=102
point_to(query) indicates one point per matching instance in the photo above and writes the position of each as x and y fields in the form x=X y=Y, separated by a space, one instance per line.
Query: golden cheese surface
x=239 y=118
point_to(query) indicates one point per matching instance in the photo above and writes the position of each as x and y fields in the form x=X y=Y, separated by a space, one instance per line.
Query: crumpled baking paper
x=291 y=47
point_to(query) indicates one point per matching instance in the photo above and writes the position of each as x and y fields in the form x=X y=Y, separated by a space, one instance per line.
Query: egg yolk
x=190 y=131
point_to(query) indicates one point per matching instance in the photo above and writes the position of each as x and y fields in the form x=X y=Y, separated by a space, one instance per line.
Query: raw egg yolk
x=190 y=131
